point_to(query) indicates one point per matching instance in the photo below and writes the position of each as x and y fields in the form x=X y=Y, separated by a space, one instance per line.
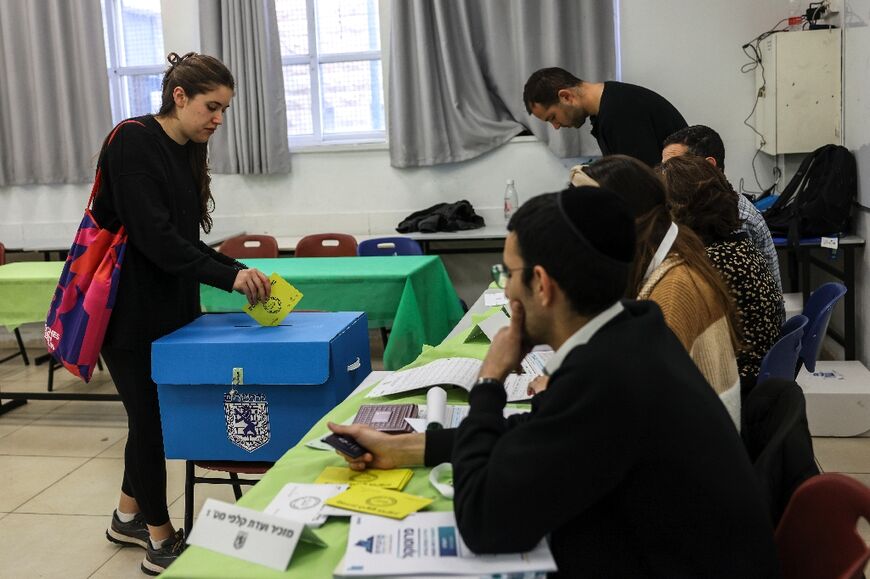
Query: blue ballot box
x=231 y=389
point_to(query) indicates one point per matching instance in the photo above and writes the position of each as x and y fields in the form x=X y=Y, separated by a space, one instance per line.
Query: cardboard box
x=230 y=389
x=838 y=398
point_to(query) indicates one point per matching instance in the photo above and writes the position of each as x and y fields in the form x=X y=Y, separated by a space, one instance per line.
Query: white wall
x=856 y=89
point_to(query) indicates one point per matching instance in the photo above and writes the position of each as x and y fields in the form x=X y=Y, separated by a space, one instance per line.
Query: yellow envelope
x=281 y=302
x=378 y=501
x=387 y=479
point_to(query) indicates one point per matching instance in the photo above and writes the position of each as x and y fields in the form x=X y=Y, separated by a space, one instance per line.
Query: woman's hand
x=254 y=284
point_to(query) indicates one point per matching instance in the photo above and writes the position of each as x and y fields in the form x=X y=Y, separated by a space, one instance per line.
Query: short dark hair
x=584 y=239
x=700 y=197
x=544 y=85
x=700 y=140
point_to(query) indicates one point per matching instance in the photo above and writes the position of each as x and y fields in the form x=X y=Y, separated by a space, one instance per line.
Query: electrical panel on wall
x=799 y=84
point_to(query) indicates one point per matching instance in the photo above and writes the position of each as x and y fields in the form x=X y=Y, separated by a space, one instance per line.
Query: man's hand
x=538 y=385
x=254 y=284
x=508 y=348
x=386 y=451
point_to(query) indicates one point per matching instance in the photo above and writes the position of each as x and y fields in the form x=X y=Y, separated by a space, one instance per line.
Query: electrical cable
x=755 y=62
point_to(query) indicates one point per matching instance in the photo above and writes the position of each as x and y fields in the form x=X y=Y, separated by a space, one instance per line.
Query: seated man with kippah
x=629 y=464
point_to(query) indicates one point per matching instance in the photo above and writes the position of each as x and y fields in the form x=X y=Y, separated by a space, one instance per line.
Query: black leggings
x=144 y=459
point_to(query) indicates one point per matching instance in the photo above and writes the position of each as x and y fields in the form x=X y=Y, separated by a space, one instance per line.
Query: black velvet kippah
x=603 y=219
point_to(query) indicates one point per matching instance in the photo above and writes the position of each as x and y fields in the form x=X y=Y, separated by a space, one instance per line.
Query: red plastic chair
x=817 y=536
x=250 y=246
x=327 y=245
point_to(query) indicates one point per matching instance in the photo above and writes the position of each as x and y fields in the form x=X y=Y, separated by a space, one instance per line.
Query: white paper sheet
x=495 y=298
x=460 y=372
x=491 y=325
x=426 y=543
x=303 y=502
x=454 y=414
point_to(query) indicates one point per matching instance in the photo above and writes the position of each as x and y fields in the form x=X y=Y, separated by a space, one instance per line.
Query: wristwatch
x=492 y=381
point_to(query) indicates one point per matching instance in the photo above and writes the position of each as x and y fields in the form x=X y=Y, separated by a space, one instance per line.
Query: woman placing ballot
x=156 y=185
x=629 y=463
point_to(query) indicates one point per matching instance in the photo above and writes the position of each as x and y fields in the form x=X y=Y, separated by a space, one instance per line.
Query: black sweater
x=635 y=121
x=632 y=469
x=148 y=186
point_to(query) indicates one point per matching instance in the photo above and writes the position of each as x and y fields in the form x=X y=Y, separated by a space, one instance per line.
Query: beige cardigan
x=691 y=311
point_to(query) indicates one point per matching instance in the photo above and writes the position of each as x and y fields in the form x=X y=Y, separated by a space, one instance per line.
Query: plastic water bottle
x=511 y=200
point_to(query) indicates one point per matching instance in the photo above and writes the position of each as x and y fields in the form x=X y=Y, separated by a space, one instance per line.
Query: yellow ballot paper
x=378 y=501
x=281 y=302
x=396 y=478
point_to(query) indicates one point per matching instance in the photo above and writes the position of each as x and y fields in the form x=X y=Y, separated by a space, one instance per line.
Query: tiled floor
x=61 y=465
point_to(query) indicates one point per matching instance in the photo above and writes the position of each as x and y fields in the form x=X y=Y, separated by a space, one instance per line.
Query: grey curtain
x=54 y=91
x=458 y=67
x=244 y=35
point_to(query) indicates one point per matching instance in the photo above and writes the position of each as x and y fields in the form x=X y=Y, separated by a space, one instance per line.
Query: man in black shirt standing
x=626 y=119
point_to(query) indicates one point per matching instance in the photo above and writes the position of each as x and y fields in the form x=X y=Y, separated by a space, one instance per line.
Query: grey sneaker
x=132 y=534
x=157 y=560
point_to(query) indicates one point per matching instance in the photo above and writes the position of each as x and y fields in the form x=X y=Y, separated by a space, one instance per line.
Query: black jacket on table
x=630 y=464
x=635 y=121
x=148 y=187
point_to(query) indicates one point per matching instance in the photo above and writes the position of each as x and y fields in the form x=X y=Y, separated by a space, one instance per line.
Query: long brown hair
x=700 y=197
x=645 y=192
x=195 y=74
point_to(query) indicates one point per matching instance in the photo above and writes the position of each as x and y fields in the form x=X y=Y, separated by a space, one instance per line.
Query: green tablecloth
x=411 y=294
x=26 y=289
x=302 y=465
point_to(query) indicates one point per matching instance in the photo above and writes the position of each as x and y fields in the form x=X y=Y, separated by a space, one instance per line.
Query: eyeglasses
x=501 y=274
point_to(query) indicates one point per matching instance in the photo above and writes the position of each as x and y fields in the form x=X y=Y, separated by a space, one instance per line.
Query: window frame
x=118 y=94
x=314 y=60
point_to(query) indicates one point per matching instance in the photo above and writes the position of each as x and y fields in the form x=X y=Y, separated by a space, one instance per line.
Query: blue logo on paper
x=247 y=419
x=366 y=544
x=447 y=542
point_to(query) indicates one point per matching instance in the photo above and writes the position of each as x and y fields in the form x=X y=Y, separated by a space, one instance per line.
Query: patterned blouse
x=756 y=294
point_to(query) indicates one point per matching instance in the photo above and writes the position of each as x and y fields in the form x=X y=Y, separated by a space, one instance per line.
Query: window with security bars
x=331 y=56
x=134 y=56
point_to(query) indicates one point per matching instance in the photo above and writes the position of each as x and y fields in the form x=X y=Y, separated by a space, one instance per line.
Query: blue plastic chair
x=781 y=359
x=818 y=311
x=389 y=246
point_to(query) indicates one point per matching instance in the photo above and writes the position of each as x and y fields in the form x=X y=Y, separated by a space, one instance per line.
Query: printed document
x=460 y=372
x=427 y=543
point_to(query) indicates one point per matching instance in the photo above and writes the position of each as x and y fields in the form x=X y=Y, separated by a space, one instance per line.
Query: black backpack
x=818 y=200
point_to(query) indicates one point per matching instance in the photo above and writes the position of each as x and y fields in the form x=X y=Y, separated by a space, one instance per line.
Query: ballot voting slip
x=427 y=543
x=378 y=501
x=281 y=302
x=395 y=478
x=460 y=372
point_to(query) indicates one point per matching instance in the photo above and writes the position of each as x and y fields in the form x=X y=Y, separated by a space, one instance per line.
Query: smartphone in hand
x=345 y=444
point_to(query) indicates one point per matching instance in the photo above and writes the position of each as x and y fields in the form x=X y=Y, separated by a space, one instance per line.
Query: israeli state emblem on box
x=247 y=418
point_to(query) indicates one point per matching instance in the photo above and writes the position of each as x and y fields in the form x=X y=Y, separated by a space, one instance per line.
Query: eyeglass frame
x=501 y=273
